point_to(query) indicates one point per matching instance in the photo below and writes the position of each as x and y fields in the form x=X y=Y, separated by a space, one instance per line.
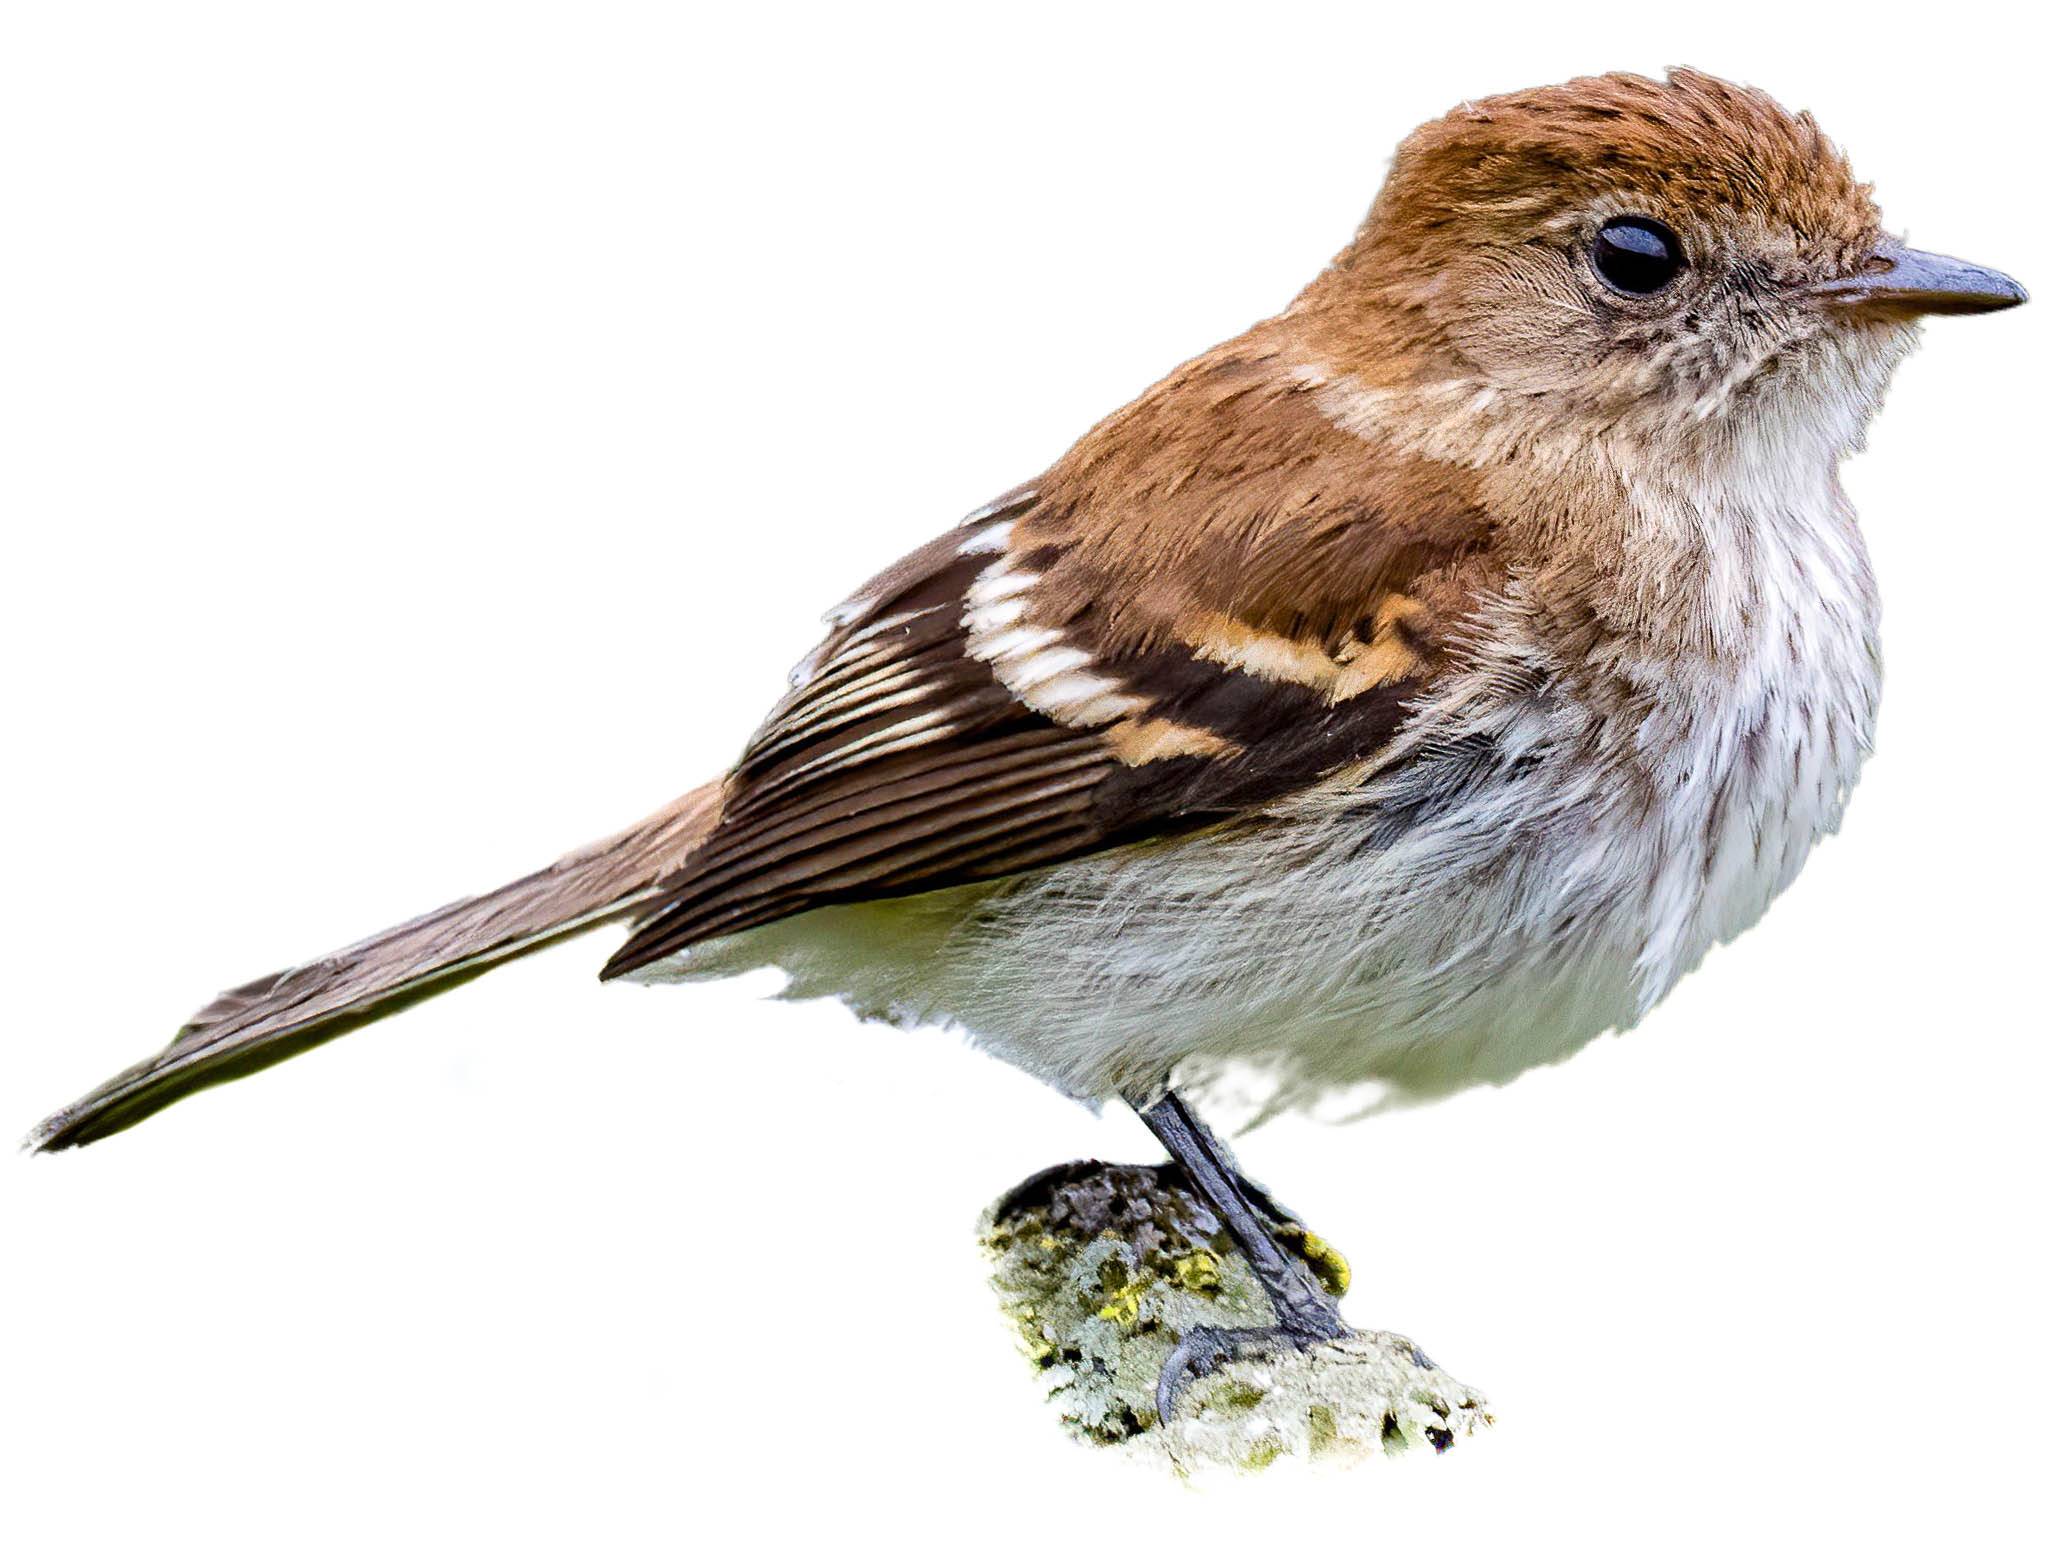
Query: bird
x=1400 y=694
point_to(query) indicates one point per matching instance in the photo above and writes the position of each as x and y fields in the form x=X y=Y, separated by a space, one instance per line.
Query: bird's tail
x=291 y=1011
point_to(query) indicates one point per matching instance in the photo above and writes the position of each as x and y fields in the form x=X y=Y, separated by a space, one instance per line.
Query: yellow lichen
x=1329 y=1264
x=1126 y=1302
x=1200 y=1271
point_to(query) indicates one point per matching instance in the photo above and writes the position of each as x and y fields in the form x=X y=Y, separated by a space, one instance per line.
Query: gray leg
x=1307 y=1315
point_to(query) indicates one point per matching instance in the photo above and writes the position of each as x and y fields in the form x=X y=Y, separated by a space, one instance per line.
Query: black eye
x=1636 y=255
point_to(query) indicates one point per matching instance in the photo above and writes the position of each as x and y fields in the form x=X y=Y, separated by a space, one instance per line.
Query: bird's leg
x=1305 y=1313
x=1301 y=1306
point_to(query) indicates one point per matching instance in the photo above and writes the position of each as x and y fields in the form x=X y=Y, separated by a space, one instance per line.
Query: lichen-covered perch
x=1102 y=1267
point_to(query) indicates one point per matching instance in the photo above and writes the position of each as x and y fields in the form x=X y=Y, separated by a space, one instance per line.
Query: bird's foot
x=1206 y=1349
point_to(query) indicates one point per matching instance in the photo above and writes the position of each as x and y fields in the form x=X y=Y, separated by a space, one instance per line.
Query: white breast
x=1769 y=743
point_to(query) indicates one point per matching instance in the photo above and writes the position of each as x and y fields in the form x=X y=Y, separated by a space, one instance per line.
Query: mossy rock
x=1102 y=1267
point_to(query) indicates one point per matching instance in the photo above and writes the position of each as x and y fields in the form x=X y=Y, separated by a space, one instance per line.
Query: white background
x=429 y=432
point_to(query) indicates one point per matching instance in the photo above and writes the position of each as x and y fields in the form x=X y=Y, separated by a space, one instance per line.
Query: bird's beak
x=1900 y=281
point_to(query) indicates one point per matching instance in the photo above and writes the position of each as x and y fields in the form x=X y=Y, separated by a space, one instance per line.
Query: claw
x=1206 y=1349
x=1199 y=1353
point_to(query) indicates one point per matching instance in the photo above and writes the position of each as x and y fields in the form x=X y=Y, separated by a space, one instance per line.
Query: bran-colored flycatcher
x=1409 y=689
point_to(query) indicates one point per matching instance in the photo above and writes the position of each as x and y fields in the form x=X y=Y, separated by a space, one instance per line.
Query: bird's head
x=1629 y=254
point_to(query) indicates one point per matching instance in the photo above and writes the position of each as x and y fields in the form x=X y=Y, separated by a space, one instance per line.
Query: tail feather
x=290 y=1011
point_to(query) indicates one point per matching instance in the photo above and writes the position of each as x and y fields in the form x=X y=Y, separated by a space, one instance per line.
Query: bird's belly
x=1430 y=931
x=1597 y=920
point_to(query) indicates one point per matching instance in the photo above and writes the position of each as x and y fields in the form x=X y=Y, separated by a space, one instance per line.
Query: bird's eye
x=1636 y=255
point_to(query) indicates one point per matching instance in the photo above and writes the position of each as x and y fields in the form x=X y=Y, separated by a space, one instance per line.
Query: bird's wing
x=1216 y=599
